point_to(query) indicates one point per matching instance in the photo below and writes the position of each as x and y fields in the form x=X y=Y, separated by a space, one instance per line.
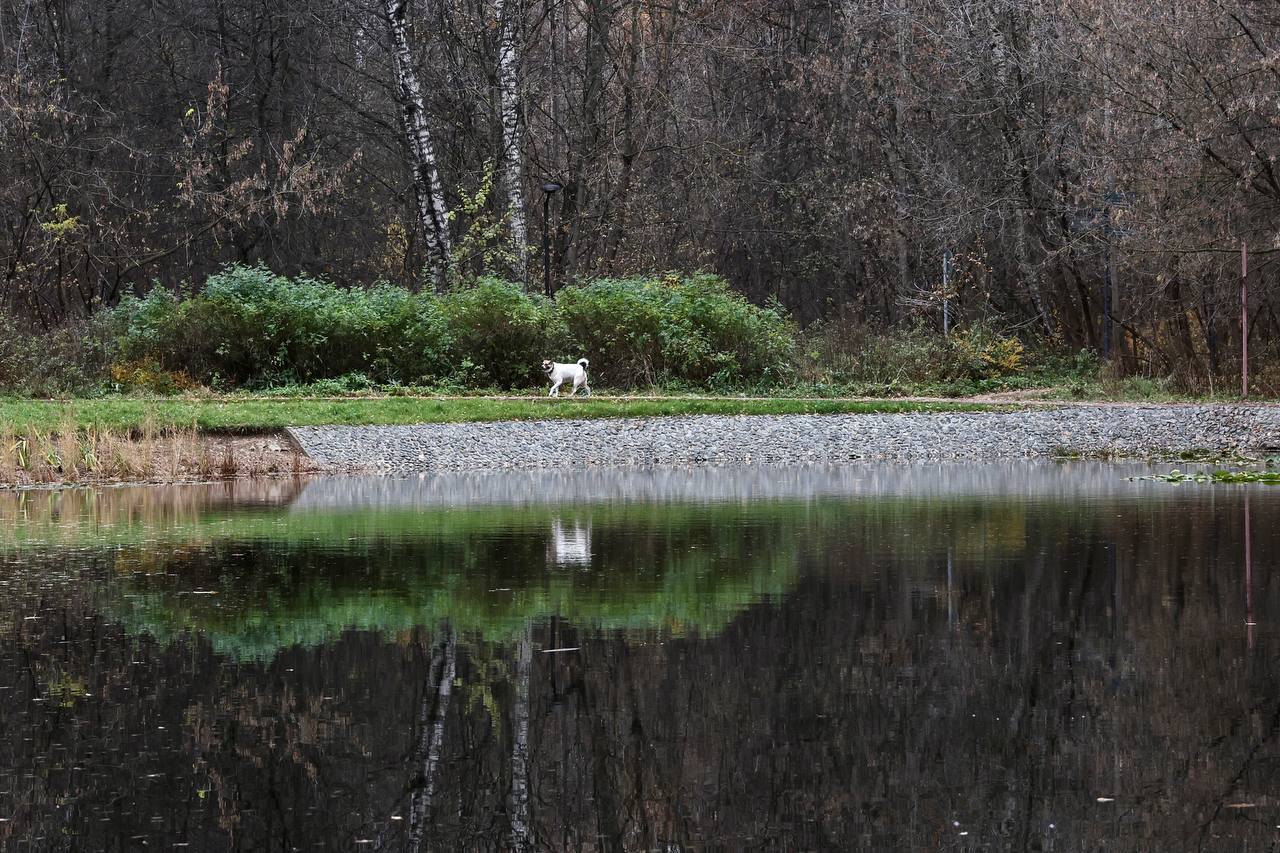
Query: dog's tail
x=582 y=362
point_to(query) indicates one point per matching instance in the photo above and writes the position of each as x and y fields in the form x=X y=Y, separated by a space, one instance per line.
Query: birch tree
x=427 y=191
x=431 y=718
x=509 y=19
x=521 y=838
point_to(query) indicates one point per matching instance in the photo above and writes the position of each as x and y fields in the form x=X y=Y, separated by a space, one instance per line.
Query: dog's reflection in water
x=570 y=543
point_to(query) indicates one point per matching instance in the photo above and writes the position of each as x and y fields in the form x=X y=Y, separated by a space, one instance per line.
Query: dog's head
x=548 y=365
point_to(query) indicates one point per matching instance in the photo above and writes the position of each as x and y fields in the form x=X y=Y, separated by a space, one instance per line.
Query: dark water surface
x=1014 y=657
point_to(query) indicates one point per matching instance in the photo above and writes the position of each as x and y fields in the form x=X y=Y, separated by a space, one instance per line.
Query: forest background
x=1065 y=185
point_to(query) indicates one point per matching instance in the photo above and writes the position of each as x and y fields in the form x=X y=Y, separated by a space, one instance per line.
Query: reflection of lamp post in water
x=547 y=189
x=1249 y=623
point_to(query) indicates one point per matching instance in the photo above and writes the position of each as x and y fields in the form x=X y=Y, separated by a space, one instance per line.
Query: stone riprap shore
x=1139 y=432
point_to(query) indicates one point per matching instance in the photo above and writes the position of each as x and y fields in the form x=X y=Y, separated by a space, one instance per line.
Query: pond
x=964 y=657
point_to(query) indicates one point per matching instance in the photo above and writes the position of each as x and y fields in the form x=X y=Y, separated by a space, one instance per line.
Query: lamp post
x=547 y=190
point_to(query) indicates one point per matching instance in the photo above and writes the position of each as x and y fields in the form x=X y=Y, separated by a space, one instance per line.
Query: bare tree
x=509 y=15
x=428 y=192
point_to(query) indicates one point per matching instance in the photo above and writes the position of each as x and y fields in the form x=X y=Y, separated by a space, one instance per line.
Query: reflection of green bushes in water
x=318 y=610
x=674 y=568
x=281 y=577
x=152 y=518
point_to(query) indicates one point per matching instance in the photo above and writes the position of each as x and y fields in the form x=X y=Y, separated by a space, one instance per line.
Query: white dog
x=560 y=373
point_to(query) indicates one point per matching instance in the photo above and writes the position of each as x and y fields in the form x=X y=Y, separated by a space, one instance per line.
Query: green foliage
x=64 y=689
x=983 y=353
x=654 y=331
x=62 y=225
x=502 y=332
x=148 y=377
x=252 y=328
x=483 y=244
x=1268 y=477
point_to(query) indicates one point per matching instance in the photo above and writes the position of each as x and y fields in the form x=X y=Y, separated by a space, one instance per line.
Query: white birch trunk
x=427 y=190
x=512 y=151
x=431 y=718
x=521 y=832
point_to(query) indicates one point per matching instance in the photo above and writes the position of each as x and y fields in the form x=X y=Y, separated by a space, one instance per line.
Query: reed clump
x=74 y=454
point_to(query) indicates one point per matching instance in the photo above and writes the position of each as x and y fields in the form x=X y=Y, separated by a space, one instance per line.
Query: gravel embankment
x=1091 y=431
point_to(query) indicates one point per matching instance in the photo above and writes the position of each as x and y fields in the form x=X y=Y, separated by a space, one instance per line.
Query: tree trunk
x=431 y=717
x=584 y=181
x=629 y=147
x=518 y=807
x=509 y=19
x=898 y=153
x=427 y=190
x=1029 y=275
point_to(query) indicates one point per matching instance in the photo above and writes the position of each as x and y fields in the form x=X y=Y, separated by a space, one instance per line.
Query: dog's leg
x=586 y=389
x=555 y=389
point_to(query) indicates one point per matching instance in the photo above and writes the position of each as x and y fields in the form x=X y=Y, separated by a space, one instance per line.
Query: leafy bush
x=912 y=359
x=146 y=375
x=983 y=353
x=672 y=329
x=252 y=327
x=500 y=333
x=70 y=360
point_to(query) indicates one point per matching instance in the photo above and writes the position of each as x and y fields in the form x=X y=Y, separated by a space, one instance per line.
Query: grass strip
x=250 y=414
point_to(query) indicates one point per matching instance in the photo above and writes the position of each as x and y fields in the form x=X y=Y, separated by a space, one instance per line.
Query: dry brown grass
x=8 y=460
x=227 y=467
x=29 y=456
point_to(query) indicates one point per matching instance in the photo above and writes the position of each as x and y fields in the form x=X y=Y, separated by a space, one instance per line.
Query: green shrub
x=676 y=330
x=983 y=353
x=500 y=333
x=251 y=327
x=147 y=376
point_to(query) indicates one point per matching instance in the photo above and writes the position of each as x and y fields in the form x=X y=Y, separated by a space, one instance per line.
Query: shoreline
x=1143 y=432
x=1138 y=432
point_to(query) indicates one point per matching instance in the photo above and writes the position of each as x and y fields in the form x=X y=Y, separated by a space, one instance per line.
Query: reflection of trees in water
x=1094 y=653
x=518 y=803
x=431 y=718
